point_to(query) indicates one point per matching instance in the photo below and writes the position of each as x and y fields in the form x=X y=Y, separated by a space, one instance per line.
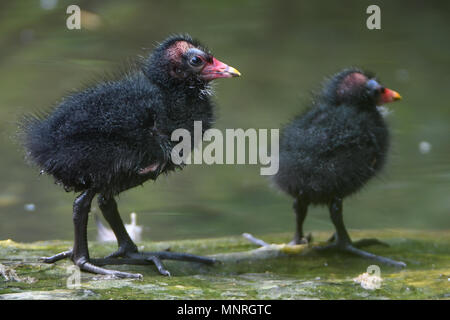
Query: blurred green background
x=283 y=49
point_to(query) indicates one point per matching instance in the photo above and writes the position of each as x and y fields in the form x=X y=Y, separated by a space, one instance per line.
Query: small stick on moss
x=254 y=240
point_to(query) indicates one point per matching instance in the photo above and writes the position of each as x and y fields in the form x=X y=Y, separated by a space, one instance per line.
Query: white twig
x=254 y=240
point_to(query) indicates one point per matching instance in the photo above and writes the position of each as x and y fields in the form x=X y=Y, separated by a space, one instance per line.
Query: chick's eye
x=196 y=61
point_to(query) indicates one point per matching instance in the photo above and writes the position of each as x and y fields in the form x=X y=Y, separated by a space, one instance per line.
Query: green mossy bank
x=244 y=273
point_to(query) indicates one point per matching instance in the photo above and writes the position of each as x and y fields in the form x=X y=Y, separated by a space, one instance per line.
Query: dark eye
x=196 y=61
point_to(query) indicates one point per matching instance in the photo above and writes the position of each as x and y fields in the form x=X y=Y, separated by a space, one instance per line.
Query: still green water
x=283 y=49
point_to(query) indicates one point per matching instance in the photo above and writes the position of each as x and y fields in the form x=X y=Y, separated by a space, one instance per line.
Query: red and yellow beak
x=389 y=96
x=218 y=69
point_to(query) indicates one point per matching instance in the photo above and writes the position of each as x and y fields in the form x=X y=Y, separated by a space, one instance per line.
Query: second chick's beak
x=218 y=69
x=389 y=96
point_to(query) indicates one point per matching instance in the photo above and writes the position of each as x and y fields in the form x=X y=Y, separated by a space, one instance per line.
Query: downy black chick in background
x=333 y=149
x=116 y=135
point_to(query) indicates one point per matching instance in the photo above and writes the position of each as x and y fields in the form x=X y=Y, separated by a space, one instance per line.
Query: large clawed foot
x=85 y=265
x=350 y=248
x=145 y=258
x=125 y=256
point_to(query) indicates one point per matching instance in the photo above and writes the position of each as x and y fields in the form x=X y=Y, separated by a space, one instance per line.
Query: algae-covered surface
x=245 y=271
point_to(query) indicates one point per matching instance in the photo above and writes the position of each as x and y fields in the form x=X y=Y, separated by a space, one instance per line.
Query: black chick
x=331 y=150
x=116 y=135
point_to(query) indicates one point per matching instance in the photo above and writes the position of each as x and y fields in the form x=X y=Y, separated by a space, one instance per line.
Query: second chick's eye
x=196 y=61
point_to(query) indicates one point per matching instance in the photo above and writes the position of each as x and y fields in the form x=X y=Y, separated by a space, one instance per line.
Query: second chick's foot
x=352 y=249
x=362 y=242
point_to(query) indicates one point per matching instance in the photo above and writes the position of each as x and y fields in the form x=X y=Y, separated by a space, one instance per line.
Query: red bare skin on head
x=351 y=81
x=175 y=51
x=206 y=69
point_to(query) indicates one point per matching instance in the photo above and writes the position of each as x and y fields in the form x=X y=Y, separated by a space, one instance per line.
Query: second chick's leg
x=301 y=209
x=342 y=241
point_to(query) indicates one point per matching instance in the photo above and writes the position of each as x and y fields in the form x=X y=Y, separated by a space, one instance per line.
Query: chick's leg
x=300 y=209
x=342 y=241
x=80 y=253
x=108 y=206
x=128 y=252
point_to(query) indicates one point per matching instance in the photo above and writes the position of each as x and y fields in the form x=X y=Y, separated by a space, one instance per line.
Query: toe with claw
x=352 y=249
x=145 y=258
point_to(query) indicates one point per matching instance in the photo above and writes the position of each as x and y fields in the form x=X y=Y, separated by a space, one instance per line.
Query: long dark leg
x=80 y=255
x=128 y=252
x=127 y=249
x=338 y=221
x=342 y=241
x=80 y=252
x=341 y=235
x=108 y=206
x=300 y=209
x=81 y=208
x=81 y=204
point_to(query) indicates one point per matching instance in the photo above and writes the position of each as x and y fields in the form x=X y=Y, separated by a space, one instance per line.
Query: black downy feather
x=101 y=137
x=334 y=147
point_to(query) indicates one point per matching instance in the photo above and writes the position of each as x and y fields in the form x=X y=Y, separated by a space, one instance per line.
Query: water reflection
x=284 y=51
